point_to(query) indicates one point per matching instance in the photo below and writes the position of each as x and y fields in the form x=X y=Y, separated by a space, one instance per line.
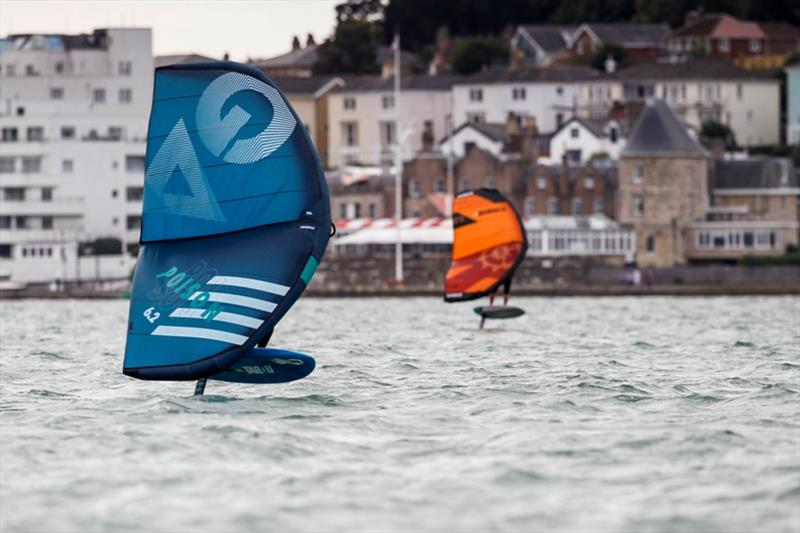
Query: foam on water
x=627 y=414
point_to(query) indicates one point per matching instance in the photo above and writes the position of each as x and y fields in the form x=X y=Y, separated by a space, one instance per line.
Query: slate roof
x=630 y=35
x=767 y=173
x=553 y=74
x=658 y=132
x=691 y=69
x=302 y=85
x=302 y=57
x=551 y=38
x=418 y=82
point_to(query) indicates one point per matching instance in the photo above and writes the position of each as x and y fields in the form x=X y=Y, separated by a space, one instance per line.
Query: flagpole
x=398 y=164
x=450 y=184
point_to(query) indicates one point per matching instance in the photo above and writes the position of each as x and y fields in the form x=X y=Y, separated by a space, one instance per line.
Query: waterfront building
x=793 y=104
x=362 y=117
x=640 y=41
x=540 y=44
x=581 y=139
x=74 y=114
x=697 y=90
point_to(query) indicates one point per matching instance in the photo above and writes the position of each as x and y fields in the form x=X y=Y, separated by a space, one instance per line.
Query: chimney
x=226 y=57
x=693 y=16
x=717 y=145
x=610 y=64
x=310 y=40
x=296 y=43
x=530 y=139
x=427 y=137
x=512 y=125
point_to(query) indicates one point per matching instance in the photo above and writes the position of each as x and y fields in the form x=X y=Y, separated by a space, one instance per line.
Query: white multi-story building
x=73 y=116
x=697 y=91
x=362 y=118
x=548 y=94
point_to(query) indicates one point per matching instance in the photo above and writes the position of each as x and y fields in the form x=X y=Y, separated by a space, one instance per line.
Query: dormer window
x=349 y=103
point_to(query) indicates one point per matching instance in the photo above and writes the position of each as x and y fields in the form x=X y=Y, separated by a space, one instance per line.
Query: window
x=349 y=103
x=413 y=188
x=356 y=209
x=518 y=93
x=489 y=183
x=541 y=183
x=47 y=223
x=35 y=133
x=574 y=156
x=124 y=68
x=588 y=182
x=559 y=91
x=559 y=119
x=463 y=184
x=476 y=95
x=574 y=133
x=350 y=133
x=599 y=206
x=530 y=207
x=31 y=165
x=439 y=186
x=59 y=67
x=724 y=45
x=67 y=166
x=613 y=135
x=134 y=194
x=56 y=93
x=30 y=71
x=114 y=193
x=134 y=222
x=387 y=132
x=5 y=222
x=9 y=135
x=372 y=210
x=134 y=163
x=125 y=96
x=476 y=118
x=343 y=210
x=67 y=132
x=21 y=222
x=14 y=194
x=638 y=205
x=7 y=165
x=21 y=111
x=99 y=96
x=552 y=205
x=577 y=206
x=114 y=133
x=651 y=244
x=387 y=102
x=6 y=250
x=755 y=45
x=47 y=194
x=638 y=173
x=738 y=91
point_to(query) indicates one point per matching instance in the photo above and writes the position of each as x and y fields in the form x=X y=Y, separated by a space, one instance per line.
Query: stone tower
x=663 y=185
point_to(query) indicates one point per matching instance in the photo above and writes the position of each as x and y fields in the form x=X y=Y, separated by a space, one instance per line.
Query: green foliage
x=777 y=150
x=352 y=50
x=359 y=10
x=599 y=155
x=713 y=129
x=792 y=59
x=101 y=246
x=473 y=53
x=616 y=51
x=133 y=248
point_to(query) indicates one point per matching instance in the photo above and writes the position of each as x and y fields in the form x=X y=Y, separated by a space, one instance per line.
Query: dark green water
x=626 y=414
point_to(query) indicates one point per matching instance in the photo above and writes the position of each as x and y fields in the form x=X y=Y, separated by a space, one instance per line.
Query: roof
x=552 y=74
x=417 y=82
x=779 y=30
x=690 y=69
x=658 y=132
x=550 y=38
x=309 y=85
x=628 y=35
x=301 y=57
x=174 y=59
x=721 y=26
x=766 y=173
x=596 y=126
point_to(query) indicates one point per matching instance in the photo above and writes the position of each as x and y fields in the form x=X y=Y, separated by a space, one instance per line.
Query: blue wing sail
x=236 y=217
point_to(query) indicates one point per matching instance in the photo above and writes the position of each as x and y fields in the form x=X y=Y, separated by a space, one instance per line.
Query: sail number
x=187 y=289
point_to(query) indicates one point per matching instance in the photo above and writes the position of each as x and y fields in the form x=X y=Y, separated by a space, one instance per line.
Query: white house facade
x=73 y=114
x=580 y=139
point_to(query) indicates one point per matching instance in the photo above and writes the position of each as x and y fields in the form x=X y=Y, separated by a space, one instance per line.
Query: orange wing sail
x=489 y=243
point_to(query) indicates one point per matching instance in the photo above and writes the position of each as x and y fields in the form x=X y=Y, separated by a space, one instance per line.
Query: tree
x=473 y=53
x=617 y=52
x=369 y=10
x=714 y=129
x=101 y=246
x=351 y=50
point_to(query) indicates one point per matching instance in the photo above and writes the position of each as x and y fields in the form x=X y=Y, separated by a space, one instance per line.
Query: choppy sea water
x=586 y=414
